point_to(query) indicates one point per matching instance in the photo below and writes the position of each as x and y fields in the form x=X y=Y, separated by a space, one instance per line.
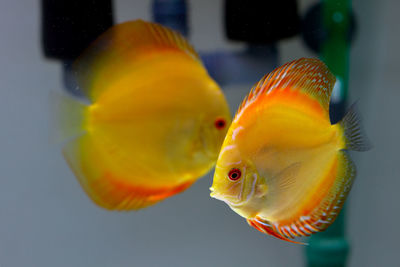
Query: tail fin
x=355 y=138
x=67 y=116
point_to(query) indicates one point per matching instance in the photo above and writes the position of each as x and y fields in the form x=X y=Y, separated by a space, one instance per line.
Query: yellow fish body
x=155 y=122
x=283 y=166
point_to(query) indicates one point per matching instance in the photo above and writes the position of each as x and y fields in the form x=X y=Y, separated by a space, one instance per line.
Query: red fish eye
x=220 y=124
x=234 y=174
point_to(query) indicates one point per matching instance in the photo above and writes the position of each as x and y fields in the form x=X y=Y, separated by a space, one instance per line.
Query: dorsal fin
x=309 y=75
x=121 y=46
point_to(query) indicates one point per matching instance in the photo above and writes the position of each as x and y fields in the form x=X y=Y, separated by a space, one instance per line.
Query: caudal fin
x=67 y=117
x=355 y=139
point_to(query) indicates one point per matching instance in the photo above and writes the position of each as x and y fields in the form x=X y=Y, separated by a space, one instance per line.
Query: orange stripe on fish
x=116 y=194
x=311 y=218
x=291 y=97
x=266 y=228
x=310 y=76
x=106 y=189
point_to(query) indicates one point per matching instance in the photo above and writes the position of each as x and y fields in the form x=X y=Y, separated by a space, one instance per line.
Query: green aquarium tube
x=331 y=248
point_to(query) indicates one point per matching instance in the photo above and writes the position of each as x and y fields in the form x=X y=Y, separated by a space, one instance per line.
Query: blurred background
x=47 y=220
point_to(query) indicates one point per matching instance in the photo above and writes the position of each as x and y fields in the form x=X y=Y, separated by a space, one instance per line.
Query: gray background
x=46 y=219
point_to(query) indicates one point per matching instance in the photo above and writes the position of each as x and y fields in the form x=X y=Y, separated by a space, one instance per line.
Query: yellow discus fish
x=155 y=122
x=283 y=166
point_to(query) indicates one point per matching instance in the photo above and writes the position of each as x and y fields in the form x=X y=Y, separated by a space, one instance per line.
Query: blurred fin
x=355 y=139
x=121 y=46
x=67 y=116
x=106 y=189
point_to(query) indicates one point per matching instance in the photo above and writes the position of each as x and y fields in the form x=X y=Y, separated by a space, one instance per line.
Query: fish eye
x=234 y=174
x=220 y=123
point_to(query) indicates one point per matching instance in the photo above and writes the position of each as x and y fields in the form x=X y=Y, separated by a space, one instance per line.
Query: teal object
x=331 y=247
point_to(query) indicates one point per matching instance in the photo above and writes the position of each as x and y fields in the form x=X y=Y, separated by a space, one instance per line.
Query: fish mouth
x=216 y=195
x=230 y=200
x=236 y=201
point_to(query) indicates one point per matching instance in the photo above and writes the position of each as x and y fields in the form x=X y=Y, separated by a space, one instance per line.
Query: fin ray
x=67 y=116
x=266 y=227
x=285 y=179
x=355 y=138
x=309 y=75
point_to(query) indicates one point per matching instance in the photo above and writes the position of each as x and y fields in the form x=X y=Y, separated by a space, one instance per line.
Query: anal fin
x=108 y=189
x=113 y=193
x=266 y=227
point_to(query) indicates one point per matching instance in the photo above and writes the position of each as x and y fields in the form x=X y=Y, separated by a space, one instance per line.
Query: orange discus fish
x=283 y=166
x=155 y=121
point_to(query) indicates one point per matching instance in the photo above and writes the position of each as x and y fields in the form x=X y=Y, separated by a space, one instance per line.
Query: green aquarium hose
x=331 y=247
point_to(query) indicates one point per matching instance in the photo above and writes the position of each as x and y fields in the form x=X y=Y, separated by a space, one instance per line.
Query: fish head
x=235 y=180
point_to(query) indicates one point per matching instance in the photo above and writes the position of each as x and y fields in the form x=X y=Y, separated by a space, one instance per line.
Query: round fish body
x=291 y=171
x=155 y=122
